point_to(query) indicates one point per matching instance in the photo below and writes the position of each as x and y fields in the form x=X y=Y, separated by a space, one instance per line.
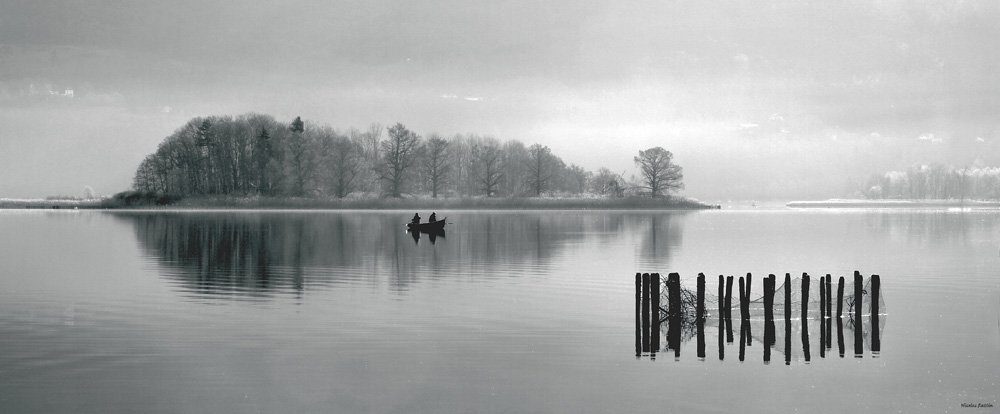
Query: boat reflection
x=432 y=235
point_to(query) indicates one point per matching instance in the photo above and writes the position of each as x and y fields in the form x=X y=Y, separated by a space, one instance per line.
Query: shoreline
x=304 y=203
x=893 y=204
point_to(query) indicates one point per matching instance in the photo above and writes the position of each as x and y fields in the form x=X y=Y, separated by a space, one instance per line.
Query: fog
x=769 y=100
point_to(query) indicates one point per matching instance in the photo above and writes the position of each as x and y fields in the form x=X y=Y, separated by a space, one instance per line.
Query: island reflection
x=257 y=254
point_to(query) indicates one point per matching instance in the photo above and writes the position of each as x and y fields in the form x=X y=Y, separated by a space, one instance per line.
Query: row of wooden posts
x=648 y=311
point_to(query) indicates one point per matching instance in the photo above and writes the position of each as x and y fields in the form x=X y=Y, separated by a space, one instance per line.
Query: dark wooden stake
x=788 y=319
x=654 y=292
x=645 y=312
x=638 y=313
x=822 y=297
x=876 y=285
x=840 y=297
x=674 y=296
x=805 y=296
x=743 y=302
x=858 y=295
x=700 y=315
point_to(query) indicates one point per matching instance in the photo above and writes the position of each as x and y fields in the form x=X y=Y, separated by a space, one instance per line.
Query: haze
x=757 y=100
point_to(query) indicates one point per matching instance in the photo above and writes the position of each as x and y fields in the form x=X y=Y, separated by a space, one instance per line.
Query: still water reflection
x=224 y=311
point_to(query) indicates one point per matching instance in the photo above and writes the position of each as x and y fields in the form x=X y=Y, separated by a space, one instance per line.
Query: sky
x=757 y=100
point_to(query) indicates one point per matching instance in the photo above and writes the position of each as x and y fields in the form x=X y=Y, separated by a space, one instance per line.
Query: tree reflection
x=258 y=254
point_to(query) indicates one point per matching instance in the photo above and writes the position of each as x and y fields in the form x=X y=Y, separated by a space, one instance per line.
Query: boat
x=427 y=227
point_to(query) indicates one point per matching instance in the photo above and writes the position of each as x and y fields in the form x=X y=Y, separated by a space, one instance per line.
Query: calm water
x=508 y=312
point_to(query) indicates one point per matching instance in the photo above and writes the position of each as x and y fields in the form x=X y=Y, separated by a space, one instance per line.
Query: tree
x=398 y=156
x=345 y=163
x=608 y=183
x=486 y=156
x=436 y=165
x=261 y=157
x=660 y=175
x=541 y=168
x=577 y=178
x=298 y=151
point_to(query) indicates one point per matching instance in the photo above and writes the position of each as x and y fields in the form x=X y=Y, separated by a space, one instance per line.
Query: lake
x=507 y=312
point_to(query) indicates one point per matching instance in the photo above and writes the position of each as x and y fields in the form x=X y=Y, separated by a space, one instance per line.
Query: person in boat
x=432 y=218
x=416 y=218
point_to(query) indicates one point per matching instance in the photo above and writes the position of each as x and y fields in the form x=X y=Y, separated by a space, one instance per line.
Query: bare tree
x=436 y=163
x=541 y=168
x=398 y=155
x=486 y=156
x=660 y=175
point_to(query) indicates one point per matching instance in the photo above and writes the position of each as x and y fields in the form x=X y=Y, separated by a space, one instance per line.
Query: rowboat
x=427 y=227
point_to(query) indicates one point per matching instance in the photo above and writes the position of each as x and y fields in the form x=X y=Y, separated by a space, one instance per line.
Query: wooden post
x=805 y=296
x=822 y=297
x=645 y=312
x=829 y=311
x=654 y=291
x=744 y=332
x=700 y=315
x=876 y=286
x=722 y=346
x=829 y=294
x=749 y=284
x=805 y=337
x=840 y=297
x=788 y=319
x=840 y=335
x=674 y=296
x=700 y=309
x=638 y=317
x=858 y=294
x=804 y=320
x=768 y=317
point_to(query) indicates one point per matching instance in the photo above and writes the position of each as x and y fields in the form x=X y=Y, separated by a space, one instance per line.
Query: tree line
x=936 y=181
x=253 y=154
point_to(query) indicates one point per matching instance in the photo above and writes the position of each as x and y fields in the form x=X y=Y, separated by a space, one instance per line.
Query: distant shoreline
x=847 y=203
x=305 y=203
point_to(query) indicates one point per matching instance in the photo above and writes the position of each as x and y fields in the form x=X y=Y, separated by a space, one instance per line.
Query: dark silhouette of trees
x=398 y=155
x=436 y=165
x=253 y=154
x=659 y=173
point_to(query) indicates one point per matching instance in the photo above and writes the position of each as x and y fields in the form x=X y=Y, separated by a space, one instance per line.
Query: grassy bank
x=674 y=203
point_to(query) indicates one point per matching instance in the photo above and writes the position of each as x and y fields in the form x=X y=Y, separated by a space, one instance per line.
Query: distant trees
x=935 y=181
x=398 y=155
x=658 y=171
x=436 y=163
x=541 y=168
x=254 y=154
x=487 y=159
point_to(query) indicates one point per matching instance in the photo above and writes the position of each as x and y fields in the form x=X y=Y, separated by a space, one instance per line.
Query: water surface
x=240 y=311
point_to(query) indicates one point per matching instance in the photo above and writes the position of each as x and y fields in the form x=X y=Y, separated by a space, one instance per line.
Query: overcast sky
x=757 y=99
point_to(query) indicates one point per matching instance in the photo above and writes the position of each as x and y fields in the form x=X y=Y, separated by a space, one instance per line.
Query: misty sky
x=757 y=100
